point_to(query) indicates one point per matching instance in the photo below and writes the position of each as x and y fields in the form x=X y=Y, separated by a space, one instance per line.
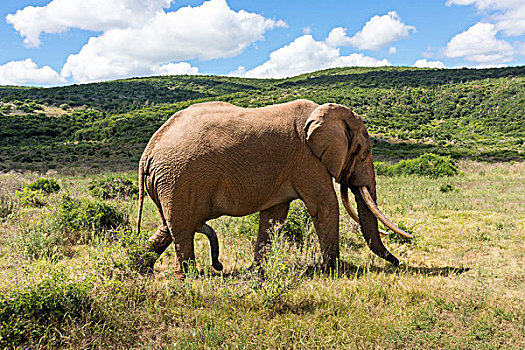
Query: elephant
x=214 y=158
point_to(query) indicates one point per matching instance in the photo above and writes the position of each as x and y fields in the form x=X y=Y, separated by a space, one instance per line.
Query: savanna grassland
x=70 y=258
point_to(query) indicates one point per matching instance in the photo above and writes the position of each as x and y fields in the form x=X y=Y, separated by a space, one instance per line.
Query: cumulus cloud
x=507 y=15
x=180 y=68
x=303 y=55
x=479 y=44
x=27 y=72
x=423 y=63
x=96 y=15
x=378 y=32
x=209 y=31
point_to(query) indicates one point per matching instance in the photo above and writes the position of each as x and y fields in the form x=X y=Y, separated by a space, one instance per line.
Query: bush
x=41 y=314
x=113 y=188
x=46 y=185
x=82 y=214
x=428 y=164
x=27 y=196
x=298 y=223
x=281 y=271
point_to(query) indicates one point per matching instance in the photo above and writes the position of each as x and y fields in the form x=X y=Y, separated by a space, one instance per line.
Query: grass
x=460 y=285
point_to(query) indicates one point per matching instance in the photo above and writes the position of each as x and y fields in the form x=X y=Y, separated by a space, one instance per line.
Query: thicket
x=80 y=214
x=428 y=164
x=41 y=314
x=113 y=187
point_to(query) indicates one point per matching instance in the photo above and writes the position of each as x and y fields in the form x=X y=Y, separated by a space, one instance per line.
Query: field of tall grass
x=69 y=278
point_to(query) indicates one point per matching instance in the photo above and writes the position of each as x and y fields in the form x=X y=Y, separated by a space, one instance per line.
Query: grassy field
x=66 y=283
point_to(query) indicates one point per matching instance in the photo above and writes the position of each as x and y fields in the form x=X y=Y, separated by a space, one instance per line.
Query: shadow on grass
x=346 y=269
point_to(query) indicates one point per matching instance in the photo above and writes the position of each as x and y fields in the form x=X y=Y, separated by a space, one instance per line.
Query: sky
x=62 y=42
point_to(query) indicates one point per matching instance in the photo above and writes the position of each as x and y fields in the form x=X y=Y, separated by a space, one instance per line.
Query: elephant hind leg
x=161 y=239
x=214 y=245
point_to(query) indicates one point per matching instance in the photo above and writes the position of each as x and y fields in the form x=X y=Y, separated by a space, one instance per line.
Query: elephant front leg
x=270 y=219
x=324 y=211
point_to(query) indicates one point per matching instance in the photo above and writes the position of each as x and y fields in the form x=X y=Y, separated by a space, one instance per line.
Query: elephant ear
x=327 y=137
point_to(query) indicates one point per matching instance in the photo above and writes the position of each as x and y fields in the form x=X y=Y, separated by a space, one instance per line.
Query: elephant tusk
x=375 y=210
x=350 y=210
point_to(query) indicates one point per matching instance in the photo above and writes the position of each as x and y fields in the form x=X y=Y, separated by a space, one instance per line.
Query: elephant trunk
x=368 y=222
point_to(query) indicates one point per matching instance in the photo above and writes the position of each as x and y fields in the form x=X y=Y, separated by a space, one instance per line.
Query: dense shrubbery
x=46 y=185
x=113 y=187
x=40 y=314
x=428 y=164
x=30 y=197
x=84 y=215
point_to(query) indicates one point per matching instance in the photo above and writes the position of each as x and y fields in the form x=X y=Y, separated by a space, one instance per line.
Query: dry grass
x=461 y=284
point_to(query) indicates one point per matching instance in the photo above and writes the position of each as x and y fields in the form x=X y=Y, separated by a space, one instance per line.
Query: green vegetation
x=113 y=187
x=71 y=267
x=460 y=284
x=40 y=314
x=428 y=164
x=45 y=185
x=474 y=113
x=83 y=214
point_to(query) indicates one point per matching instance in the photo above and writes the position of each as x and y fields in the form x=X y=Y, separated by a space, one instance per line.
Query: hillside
x=475 y=113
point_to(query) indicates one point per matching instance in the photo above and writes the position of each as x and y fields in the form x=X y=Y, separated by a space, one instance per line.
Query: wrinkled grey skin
x=215 y=159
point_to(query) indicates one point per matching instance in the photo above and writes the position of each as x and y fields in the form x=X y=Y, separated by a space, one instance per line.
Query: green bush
x=113 y=187
x=46 y=185
x=27 y=196
x=85 y=215
x=41 y=313
x=428 y=164
x=298 y=223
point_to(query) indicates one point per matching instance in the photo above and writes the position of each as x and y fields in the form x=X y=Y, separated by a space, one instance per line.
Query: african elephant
x=215 y=159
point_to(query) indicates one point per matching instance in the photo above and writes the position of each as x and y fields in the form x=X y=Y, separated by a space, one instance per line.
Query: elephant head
x=338 y=137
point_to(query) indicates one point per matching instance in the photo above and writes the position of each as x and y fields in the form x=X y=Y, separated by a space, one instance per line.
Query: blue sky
x=57 y=42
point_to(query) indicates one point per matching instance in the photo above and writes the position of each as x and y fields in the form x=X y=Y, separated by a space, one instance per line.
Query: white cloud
x=392 y=50
x=423 y=63
x=337 y=37
x=507 y=15
x=27 y=72
x=180 y=68
x=209 y=31
x=96 y=15
x=304 y=55
x=378 y=32
x=479 y=44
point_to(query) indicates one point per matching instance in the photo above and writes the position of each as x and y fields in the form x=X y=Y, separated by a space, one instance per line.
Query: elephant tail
x=141 y=194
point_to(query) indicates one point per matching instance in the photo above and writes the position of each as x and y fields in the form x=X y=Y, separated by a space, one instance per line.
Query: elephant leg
x=271 y=218
x=184 y=250
x=324 y=210
x=161 y=239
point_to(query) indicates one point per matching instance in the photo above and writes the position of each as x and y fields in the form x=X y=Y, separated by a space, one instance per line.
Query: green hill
x=475 y=113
